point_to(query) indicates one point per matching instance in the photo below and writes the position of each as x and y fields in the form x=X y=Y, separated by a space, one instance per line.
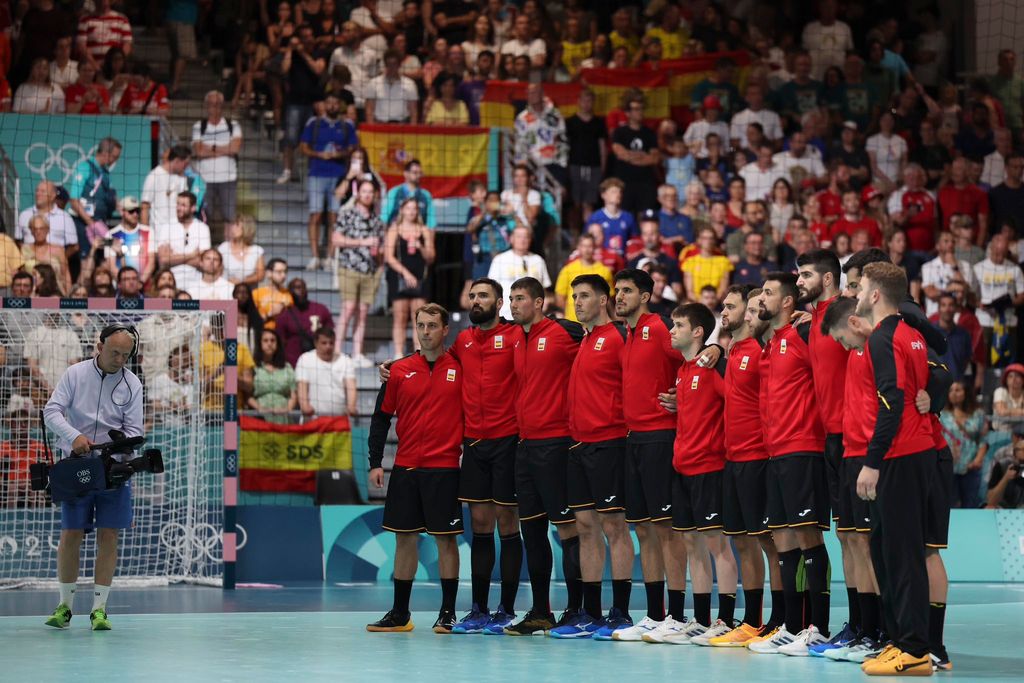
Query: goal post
x=183 y=526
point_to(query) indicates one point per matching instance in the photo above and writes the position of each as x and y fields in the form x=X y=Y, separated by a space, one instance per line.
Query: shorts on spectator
x=358 y=287
x=321 y=192
x=583 y=182
x=183 y=40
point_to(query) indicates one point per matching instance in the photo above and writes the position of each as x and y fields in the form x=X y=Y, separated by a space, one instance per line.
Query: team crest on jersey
x=541 y=343
x=451 y=375
x=694 y=382
x=782 y=347
x=599 y=344
x=743 y=362
x=499 y=341
x=645 y=334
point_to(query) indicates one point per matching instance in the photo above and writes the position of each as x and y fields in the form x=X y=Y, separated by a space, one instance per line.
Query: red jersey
x=971 y=200
x=595 y=386
x=75 y=93
x=649 y=367
x=133 y=101
x=744 y=439
x=428 y=404
x=488 y=371
x=543 y=361
x=899 y=359
x=792 y=422
x=828 y=363
x=920 y=226
x=699 y=445
x=860 y=406
x=831 y=204
x=868 y=223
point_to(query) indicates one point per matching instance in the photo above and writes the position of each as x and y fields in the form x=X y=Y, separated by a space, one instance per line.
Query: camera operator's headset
x=108 y=332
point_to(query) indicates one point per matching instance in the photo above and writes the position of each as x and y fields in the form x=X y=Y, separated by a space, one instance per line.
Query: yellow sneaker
x=888 y=652
x=764 y=635
x=899 y=663
x=738 y=637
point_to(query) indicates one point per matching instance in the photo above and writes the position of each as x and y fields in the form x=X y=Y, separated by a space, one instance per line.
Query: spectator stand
x=10 y=190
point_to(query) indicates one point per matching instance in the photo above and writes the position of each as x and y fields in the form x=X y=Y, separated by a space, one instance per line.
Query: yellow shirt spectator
x=672 y=42
x=439 y=115
x=701 y=271
x=572 y=270
x=211 y=365
x=10 y=260
x=631 y=43
x=573 y=55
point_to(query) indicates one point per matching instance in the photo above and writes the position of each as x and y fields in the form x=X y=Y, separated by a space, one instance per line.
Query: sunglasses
x=133 y=210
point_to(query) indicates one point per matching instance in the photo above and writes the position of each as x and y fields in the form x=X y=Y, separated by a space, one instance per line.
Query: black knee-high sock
x=789 y=562
x=676 y=603
x=449 y=589
x=870 y=614
x=816 y=566
x=571 y=570
x=936 y=624
x=511 y=569
x=727 y=607
x=778 y=614
x=621 y=588
x=403 y=589
x=753 y=600
x=702 y=608
x=655 y=599
x=856 y=617
x=481 y=556
x=538 y=562
x=592 y=598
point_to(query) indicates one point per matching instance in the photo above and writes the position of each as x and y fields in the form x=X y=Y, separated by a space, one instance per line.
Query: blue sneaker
x=615 y=620
x=580 y=625
x=499 y=620
x=841 y=639
x=474 y=622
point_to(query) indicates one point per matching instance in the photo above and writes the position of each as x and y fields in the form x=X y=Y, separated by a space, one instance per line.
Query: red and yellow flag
x=451 y=156
x=684 y=74
x=285 y=458
x=503 y=99
x=609 y=85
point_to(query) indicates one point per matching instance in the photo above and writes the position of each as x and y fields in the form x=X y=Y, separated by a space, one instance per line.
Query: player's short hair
x=326 y=332
x=787 y=283
x=179 y=152
x=274 y=261
x=822 y=261
x=698 y=315
x=609 y=183
x=754 y=293
x=493 y=284
x=594 y=281
x=642 y=279
x=189 y=196
x=532 y=286
x=837 y=313
x=742 y=290
x=864 y=257
x=889 y=279
x=433 y=309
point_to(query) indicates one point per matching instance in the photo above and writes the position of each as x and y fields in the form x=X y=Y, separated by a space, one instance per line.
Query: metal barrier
x=10 y=186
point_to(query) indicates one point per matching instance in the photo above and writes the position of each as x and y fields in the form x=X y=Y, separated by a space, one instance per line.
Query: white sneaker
x=635 y=633
x=693 y=629
x=668 y=627
x=809 y=637
x=719 y=628
x=285 y=176
x=314 y=264
x=362 y=361
x=772 y=645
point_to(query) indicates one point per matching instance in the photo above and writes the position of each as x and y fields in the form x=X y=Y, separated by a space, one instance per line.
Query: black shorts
x=798 y=491
x=745 y=497
x=834 y=471
x=488 y=472
x=541 y=474
x=854 y=511
x=936 y=534
x=595 y=476
x=697 y=501
x=649 y=475
x=423 y=500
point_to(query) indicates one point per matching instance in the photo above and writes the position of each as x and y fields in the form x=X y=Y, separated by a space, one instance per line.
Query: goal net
x=178 y=515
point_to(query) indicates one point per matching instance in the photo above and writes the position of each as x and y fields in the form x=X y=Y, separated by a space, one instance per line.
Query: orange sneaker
x=738 y=637
x=898 y=663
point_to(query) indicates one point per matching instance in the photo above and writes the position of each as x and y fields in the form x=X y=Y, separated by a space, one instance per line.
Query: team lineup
x=823 y=409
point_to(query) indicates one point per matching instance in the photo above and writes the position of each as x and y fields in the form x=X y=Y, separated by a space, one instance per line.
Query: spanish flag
x=279 y=458
x=502 y=100
x=684 y=74
x=609 y=85
x=451 y=156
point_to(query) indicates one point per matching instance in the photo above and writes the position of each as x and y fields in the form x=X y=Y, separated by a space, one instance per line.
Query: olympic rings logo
x=55 y=165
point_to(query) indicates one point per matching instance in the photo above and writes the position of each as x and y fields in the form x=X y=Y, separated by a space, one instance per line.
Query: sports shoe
x=392 y=622
x=98 y=619
x=473 y=622
x=568 y=616
x=445 y=622
x=940 y=661
x=313 y=263
x=804 y=640
x=532 y=623
x=887 y=651
x=738 y=637
x=692 y=630
x=666 y=628
x=635 y=633
x=771 y=645
x=841 y=639
x=899 y=663
x=285 y=176
x=857 y=651
x=718 y=628
x=499 y=620
x=61 y=617
x=615 y=621
x=766 y=632
x=581 y=625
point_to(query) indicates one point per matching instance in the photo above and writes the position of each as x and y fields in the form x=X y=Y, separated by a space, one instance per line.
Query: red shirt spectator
x=149 y=97
x=86 y=96
x=830 y=204
x=961 y=196
x=853 y=219
x=99 y=32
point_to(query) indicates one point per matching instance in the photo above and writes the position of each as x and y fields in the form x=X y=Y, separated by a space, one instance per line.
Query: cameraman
x=92 y=398
x=1006 y=484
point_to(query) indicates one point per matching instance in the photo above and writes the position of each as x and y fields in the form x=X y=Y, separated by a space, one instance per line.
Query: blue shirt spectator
x=674 y=225
x=410 y=188
x=329 y=135
x=618 y=228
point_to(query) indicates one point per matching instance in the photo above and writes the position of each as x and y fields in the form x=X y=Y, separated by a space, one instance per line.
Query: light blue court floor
x=316 y=633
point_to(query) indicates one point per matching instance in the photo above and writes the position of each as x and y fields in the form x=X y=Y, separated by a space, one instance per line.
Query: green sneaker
x=61 y=617
x=98 y=619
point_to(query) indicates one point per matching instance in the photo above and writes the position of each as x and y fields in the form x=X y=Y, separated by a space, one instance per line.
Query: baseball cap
x=1012 y=367
x=62 y=194
x=712 y=102
x=868 y=193
x=650 y=215
x=852 y=125
x=130 y=204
